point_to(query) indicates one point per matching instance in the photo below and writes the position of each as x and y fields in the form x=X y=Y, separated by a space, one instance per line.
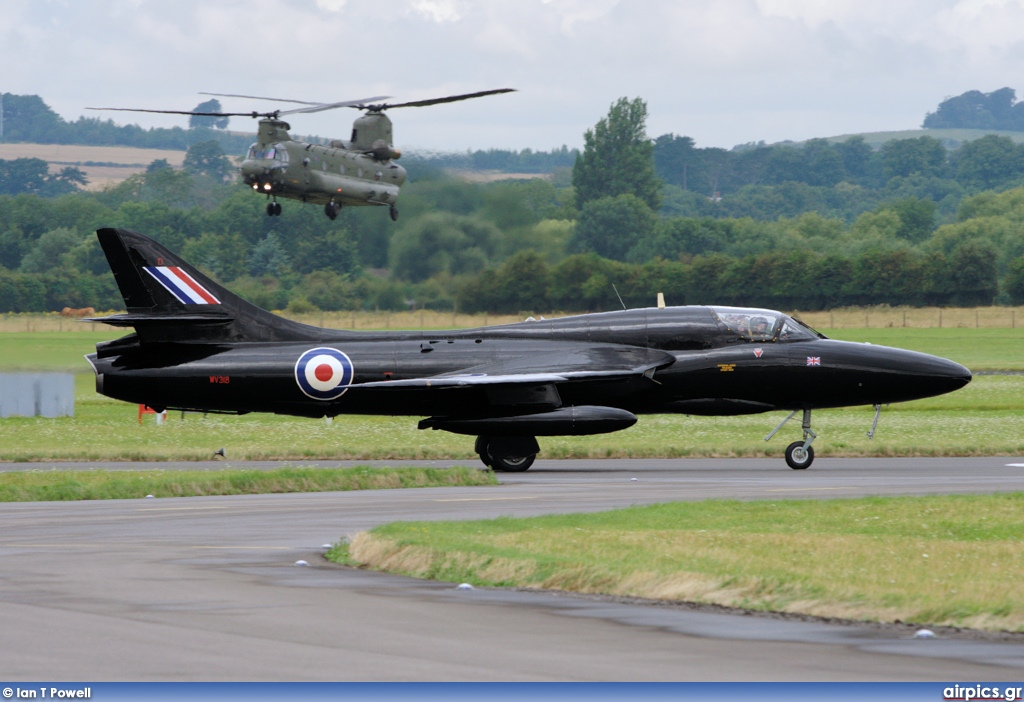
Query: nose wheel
x=799 y=454
x=393 y=211
x=331 y=209
x=274 y=209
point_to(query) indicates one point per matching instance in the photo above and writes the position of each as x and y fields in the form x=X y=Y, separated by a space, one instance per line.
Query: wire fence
x=844 y=318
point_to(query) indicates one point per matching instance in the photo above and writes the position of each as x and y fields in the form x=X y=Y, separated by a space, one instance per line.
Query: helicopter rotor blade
x=437 y=101
x=314 y=106
x=186 y=112
x=331 y=106
x=257 y=97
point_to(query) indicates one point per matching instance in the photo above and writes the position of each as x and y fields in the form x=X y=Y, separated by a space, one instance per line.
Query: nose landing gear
x=331 y=209
x=274 y=209
x=799 y=454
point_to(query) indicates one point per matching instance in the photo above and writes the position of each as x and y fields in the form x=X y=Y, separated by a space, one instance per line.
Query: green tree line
x=945 y=228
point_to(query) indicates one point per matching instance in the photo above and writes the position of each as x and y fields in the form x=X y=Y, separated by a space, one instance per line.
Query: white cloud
x=723 y=72
x=437 y=10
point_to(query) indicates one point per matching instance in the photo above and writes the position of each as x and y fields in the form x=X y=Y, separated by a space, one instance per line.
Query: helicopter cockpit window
x=274 y=153
x=762 y=326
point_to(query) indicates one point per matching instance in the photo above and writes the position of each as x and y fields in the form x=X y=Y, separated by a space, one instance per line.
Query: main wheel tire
x=481 y=450
x=277 y=209
x=331 y=210
x=797 y=457
x=393 y=211
x=512 y=464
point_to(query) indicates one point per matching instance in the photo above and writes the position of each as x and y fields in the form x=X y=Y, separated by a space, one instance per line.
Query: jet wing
x=589 y=363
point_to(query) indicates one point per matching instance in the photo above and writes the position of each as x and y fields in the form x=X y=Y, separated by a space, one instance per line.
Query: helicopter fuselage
x=334 y=175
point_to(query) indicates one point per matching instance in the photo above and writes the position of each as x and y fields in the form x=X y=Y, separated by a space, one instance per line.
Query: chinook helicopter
x=358 y=172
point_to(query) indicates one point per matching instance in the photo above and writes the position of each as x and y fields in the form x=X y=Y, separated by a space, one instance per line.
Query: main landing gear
x=393 y=211
x=799 y=454
x=331 y=209
x=274 y=209
x=507 y=454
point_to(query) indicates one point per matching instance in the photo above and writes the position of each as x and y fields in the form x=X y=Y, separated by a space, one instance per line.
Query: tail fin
x=170 y=301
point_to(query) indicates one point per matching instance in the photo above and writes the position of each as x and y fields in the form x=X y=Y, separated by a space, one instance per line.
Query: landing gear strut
x=507 y=454
x=799 y=454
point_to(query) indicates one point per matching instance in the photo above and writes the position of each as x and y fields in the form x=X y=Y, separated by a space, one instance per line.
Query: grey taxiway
x=208 y=588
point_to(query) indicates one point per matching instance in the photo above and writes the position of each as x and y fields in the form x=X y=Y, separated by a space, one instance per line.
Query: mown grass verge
x=54 y=485
x=982 y=419
x=950 y=560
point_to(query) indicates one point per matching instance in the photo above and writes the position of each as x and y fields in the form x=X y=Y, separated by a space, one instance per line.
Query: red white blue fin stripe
x=182 y=285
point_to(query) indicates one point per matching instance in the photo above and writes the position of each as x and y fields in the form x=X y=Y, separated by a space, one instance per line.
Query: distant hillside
x=951 y=138
x=977 y=110
x=27 y=119
x=102 y=165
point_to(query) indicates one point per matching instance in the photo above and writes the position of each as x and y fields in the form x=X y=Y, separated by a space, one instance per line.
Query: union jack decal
x=183 y=286
x=814 y=360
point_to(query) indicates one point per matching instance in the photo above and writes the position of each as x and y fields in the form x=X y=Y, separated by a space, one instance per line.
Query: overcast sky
x=724 y=72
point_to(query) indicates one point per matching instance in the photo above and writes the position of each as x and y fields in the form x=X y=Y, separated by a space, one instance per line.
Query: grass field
x=949 y=560
x=119 y=162
x=984 y=418
x=939 y=560
x=54 y=485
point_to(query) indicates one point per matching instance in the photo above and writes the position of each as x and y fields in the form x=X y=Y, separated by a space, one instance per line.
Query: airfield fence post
x=975 y=317
x=831 y=320
x=1013 y=319
x=904 y=319
x=940 y=318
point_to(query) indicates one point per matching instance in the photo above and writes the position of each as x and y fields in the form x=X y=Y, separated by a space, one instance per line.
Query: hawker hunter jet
x=197 y=346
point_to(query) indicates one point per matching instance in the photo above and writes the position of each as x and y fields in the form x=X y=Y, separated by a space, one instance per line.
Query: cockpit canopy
x=762 y=326
x=274 y=152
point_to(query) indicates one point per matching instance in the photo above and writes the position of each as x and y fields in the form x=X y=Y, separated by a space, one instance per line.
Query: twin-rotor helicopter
x=358 y=172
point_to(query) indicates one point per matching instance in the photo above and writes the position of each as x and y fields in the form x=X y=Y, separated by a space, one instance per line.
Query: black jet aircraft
x=197 y=346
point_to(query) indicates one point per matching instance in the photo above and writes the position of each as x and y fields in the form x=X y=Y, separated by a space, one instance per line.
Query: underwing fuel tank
x=564 y=421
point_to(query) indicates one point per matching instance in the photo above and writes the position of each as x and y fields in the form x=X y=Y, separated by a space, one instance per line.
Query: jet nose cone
x=957 y=373
x=944 y=375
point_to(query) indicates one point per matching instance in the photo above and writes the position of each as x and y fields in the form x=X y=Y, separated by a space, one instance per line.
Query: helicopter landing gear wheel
x=273 y=209
x=331 y=209
x=393 y=211
x=798 y=456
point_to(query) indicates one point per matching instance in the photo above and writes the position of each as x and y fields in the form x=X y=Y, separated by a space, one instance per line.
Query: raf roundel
x=324 y=373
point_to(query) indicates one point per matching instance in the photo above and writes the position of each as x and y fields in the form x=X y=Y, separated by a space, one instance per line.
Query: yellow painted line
x=249 y=548
x=812 y=489
x=489 y=499
x=179 y=509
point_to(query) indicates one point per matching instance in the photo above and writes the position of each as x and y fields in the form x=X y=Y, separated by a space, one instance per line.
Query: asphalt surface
x=208 y=588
